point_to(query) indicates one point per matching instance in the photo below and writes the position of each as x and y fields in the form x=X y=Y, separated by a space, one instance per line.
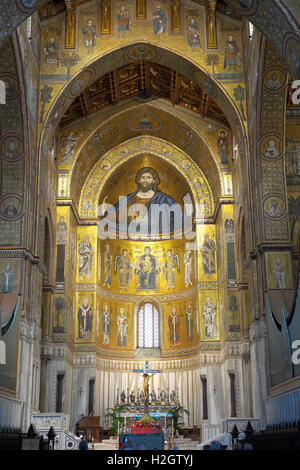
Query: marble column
x=259 y=367
x=26 y=348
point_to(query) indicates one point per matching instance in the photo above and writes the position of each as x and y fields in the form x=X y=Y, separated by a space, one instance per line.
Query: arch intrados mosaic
x=98 y=176
x=85 y=145
x=163 y=56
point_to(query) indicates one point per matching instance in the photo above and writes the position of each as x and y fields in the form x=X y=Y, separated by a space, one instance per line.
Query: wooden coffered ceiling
x=148 y=81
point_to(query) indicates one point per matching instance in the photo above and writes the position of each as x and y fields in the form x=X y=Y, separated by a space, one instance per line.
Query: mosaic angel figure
x=86 y=258
x=169 y=267
x=122 y=262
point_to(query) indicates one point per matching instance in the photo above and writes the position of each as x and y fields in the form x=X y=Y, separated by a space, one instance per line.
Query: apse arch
x=159 y=148
x=90 y=149
x=137 y=51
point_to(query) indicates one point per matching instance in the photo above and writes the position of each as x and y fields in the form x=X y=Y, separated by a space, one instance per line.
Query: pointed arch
x=126 y=55
x=90 y=194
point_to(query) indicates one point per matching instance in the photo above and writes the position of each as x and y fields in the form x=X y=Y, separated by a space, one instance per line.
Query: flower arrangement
x=145 y=425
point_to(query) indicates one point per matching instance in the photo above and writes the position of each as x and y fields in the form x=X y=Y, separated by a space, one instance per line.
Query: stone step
x=108 y=445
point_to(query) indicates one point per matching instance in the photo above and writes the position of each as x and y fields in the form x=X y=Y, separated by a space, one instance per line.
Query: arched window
x=148 y=327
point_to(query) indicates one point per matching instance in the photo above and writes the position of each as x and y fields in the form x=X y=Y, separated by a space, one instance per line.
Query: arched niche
x=111 y=132
x=158 y=148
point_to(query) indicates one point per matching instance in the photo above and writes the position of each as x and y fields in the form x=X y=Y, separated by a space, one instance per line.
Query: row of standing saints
x=209 y=314
x=193 y=32
x=146 y=267
x=232 y=59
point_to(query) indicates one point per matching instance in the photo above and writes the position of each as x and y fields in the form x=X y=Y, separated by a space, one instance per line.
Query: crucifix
x=147 y=374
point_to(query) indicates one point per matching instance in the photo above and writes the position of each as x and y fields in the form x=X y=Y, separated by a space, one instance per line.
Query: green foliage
x=239 y=93
x=69 y=60
x=114 y=415
x=176 y=412
x=46 y=93
x=212 y=59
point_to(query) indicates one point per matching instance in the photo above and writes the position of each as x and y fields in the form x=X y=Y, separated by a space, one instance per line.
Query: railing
x=193 y=433
x=11 y=412
x=284 y=408
x=241 y=423
x=224 y=439
x=278 y=437
x=14 y=439
x=11 y=438
x=209 y=431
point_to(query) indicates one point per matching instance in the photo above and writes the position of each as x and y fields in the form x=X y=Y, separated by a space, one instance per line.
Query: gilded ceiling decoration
x=150 y=81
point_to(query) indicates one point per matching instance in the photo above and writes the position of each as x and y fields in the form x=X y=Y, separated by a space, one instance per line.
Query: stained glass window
x=148 y=327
